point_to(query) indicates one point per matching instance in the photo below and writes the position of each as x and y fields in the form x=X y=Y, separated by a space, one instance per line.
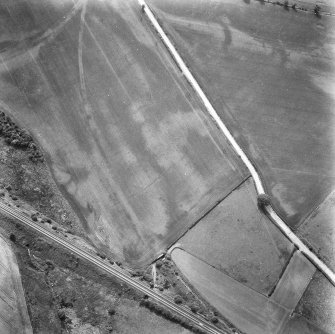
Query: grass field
x=269 y=73
x=13 y=310
x=71 y=296
x=130 y=148
x=319 y=230
x=249 y=311
x=284 y=312
x=317 y=305
x=237 y=239
x=299 y=325
x=293 y=282
x=22 y=21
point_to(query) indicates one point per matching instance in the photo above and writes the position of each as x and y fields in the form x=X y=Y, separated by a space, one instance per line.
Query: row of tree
x=164 y=312
x=18 y=138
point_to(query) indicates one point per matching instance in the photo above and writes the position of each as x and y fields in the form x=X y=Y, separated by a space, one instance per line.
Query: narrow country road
x=238 y=150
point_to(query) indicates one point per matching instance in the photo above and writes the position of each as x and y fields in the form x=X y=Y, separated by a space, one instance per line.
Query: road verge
x=329 y=274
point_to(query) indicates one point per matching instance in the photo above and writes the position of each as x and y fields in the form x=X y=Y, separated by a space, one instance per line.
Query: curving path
x=257 y=180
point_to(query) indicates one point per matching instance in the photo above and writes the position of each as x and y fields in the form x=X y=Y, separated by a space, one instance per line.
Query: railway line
x=181 y=310
x=109 y=269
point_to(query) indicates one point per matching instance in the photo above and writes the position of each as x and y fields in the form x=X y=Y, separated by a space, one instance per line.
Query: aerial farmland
x=129 y=150
x=268 y=70
x=168 y=166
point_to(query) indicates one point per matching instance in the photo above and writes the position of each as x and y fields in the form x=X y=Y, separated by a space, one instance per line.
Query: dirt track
x=246 y=147
x=129 y=147
x=273 y=89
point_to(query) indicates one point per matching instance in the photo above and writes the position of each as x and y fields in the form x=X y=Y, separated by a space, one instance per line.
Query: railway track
x=181 y=310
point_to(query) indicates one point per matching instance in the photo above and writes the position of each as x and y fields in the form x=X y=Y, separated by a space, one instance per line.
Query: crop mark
x=184 y=89
x=88 y=110
x=48 y=35
x=301 y=172
x=53 y=32
x=107 y=61
x=80 y=56
x=329 y=274
x=6 y=322
x=12 y=78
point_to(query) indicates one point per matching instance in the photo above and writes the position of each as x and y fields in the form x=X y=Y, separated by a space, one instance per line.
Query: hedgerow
x=167 y=314
x=18 y=138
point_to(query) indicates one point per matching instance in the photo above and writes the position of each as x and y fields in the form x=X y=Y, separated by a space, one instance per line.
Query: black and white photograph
x=167 y=167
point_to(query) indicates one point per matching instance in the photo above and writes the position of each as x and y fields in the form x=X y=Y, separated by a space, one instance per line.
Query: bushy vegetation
x=317 y=9
x=263 y=200
x=101 y=255
x=164 y=312
x=34 y=217
x=194 y=308
x=18 y=138
x=178 y=300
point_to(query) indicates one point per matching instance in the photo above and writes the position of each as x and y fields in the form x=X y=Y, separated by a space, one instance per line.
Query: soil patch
x=129 y=146
x=317 y=304
x=239 y=240
x=268 y=72
x=248 y=310
x=318 y=231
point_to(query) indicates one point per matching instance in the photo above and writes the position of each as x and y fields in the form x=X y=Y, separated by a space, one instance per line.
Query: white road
x=257 y=180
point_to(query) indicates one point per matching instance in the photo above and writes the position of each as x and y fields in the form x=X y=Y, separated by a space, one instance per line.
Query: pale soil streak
x=4 y=322
x=213 y=29
x=154 y=273
x=302 y=172
x=108 y=61
x=4 y=64
x=80 y=55
x=19 y=55
x=257 y=180
x=49 y=34
x=88 y=109
x=172 y=76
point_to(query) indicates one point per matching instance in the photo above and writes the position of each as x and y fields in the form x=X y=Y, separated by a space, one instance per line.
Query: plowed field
x=270 y=74
x=130 y=149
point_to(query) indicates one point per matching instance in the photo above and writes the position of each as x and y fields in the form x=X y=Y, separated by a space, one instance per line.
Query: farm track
x=183 y=311
x=256 y=177
x=48 y=35
x=80 y=57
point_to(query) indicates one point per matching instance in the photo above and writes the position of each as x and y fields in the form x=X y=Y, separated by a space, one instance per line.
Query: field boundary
x=14 y=213
x=17 y=300
x=175 y=244
x=309 y=7
x=214 y=115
